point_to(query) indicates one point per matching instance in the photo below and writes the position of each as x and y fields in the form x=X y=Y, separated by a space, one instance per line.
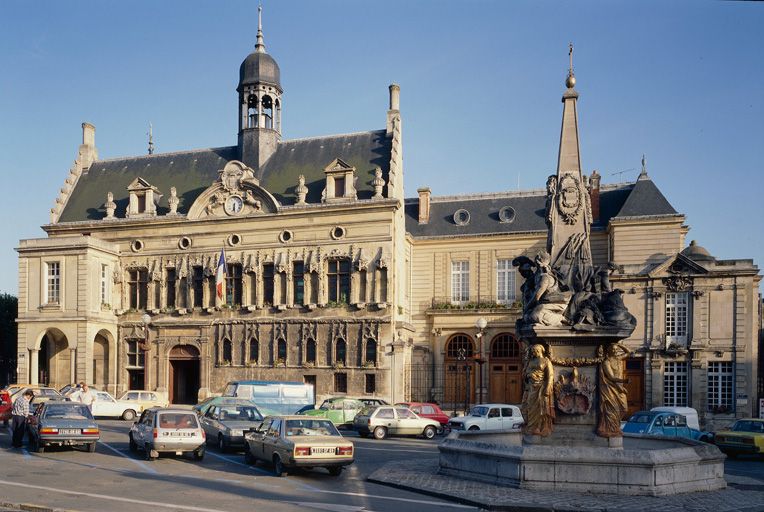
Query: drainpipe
x=734 y=346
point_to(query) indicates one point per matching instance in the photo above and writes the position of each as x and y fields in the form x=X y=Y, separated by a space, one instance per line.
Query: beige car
x=388 y=420
x=298 y=441
x=144 y=399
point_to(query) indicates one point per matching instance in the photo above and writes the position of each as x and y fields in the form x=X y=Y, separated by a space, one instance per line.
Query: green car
x=339 y=411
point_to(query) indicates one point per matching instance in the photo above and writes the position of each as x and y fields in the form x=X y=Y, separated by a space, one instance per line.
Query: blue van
x=663 y=423
x=273 y=397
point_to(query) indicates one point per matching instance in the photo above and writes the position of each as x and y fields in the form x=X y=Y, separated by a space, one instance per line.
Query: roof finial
x=151 y=139
x=260 y=46
x=643 y=174
x=571 y=80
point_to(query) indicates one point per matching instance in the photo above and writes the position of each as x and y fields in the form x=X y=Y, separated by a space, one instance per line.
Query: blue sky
x=481 y=81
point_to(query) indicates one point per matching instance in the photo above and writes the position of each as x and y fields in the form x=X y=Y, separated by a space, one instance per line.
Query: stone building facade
x=335 y=279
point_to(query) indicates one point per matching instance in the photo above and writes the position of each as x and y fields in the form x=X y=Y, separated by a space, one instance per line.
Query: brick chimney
x=594 y=193
x=424 y=205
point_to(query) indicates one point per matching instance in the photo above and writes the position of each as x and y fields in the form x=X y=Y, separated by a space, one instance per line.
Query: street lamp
x=462 y=356
x=481 y=324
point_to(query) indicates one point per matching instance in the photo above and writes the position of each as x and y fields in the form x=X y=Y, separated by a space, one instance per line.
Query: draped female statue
x=612 y=390
x=538 y=398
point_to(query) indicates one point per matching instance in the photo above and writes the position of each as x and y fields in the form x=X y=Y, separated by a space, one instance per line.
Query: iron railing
x=482 y=302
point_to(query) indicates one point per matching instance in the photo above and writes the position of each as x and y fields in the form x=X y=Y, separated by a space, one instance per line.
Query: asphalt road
x=113 y=479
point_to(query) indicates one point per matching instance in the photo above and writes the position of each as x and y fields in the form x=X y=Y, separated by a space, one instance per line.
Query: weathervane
x=151 y=139
x=570 y=82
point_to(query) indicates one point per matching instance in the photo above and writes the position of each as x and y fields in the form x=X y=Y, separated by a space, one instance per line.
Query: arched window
x=227 y=351
x=251 y=111
x=310 y=351
x=282 y=350
x=254 y=350
x=342 y=352
x=267 y=104
x=278 y=115
x=460 y=346
x=371 y=351
x=505 y=346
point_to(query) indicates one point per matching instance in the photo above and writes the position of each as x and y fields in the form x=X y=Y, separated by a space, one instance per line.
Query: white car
x=490 y=417
x=167 y=430
x=107 y=406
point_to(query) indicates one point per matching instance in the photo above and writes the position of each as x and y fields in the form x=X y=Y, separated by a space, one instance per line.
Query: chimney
x=594 y=193
x=88 y=152
x=395 y=106
x=424 y=205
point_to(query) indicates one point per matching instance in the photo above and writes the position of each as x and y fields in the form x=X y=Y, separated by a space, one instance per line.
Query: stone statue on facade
x=538 y=397
x=612 y=388
x=173 y=201
x=548 y=303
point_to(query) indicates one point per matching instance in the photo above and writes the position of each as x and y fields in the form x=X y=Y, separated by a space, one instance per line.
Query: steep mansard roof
x=191 y=172
x=528 y=209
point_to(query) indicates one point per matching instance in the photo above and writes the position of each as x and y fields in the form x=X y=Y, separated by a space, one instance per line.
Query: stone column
x=73 y=365
x=34 y=373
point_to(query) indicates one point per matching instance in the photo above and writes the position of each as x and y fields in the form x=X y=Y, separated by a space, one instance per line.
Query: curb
x=30 y=507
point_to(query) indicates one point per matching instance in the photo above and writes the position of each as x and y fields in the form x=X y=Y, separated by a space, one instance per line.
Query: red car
x=427 y=410
x=5 y=406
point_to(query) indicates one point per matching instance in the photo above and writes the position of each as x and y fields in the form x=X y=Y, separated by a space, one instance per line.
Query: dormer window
x=340 y=182
x=143 y=198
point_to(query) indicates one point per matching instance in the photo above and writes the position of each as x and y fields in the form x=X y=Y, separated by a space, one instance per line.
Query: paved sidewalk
x=421 y=476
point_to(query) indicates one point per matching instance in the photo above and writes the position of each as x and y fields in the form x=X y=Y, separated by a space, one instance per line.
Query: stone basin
x=654 y=466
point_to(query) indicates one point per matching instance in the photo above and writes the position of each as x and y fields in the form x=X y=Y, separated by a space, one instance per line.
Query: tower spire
x=260 y=46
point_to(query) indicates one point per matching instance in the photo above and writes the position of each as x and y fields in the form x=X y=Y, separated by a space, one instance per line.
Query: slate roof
x=191 y=172
x=625 y=199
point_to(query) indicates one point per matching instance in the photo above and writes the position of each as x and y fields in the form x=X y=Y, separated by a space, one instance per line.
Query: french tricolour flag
x=220 y=276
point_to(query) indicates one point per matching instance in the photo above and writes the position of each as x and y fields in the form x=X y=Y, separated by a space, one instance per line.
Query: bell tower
x=259 y=104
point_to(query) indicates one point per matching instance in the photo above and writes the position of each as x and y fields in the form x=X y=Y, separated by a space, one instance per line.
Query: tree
x=9 y=307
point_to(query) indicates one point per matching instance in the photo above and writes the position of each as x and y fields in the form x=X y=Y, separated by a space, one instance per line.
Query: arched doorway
x=101 y=353
x=505 y=375
x=459 y=379
x=184 y=374
x=54 y=360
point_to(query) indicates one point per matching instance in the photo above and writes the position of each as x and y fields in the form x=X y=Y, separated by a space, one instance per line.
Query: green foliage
x=9 y=307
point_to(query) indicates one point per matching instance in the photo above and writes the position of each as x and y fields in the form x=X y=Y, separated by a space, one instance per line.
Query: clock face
x=233 y=205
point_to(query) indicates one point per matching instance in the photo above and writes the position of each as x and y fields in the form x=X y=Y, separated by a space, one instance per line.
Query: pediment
x=140 y=184
x=338 y=166
x=678 y=265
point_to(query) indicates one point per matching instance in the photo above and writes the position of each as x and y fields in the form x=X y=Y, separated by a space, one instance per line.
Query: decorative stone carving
x=548 y=304
x=110 y=205
x=677 y=283
x=612 y=394
x=173 y=201
x=378 y=182
x=569 y=198
x=249 y=198
x=301 y=190
x=538 y=399
x=573 y=393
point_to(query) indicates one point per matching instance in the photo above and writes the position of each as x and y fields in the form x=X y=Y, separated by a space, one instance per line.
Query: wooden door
x=635 y=386
x=505 y=383
x=457 y=387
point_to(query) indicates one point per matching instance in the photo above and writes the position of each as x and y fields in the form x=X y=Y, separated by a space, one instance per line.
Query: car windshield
x=640 y=418
x=239 y=413
x=326 y=405
x=69 y=412
x=177 y=420
x=311 y=427
x=479 y=411
x=748 y=426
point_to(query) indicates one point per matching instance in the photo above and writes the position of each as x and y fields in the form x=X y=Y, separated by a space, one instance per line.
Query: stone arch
x=281 y=350
x=103 y=352
x=459 y=371
x=311 y=351
x=505 y=369
x=227 y=357
x=370 y=355
x=185 y=373
x=341 y=352
x=52 y=364
x=254 y=350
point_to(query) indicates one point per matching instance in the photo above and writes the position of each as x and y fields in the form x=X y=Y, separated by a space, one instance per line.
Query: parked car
x=145 y=399
x=62 y=423
x=202 y=407
x=225 y=424
x=744 y=436
x=663 y=423
x=373 y=402
x=427 y=410
x=688 y=412
x=107 y=406
x=167 y=430
x=340 y=411
x=6 y=406
x=298 y=441
x=18 y=390
x=504 y=417
x=395 y=421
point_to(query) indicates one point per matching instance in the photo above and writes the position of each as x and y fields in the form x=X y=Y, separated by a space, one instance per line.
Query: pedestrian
x=20 y=413
x=86 y=396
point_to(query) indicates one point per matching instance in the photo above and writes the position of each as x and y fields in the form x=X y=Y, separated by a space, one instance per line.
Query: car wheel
x=222 y=444
x=199 y=454
x=473 y=428
x=278 y=466
x=363 y=434
x=91 y=447
x=35 y=445
x=335 y=470
x=380 y=433
x=148 y=448
x=429 y=432
x=249 y=459
x=132 y=445
x=128 y=415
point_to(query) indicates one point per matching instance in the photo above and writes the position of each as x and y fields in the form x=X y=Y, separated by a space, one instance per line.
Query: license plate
x=178 y=434
x=322 y=450
x=69 y=431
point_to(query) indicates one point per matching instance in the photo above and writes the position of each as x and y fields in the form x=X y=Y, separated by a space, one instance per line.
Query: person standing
x=86 y=396
x=20 y=413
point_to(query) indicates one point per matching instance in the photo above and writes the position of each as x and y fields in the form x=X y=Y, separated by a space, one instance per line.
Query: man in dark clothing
x=20 y=413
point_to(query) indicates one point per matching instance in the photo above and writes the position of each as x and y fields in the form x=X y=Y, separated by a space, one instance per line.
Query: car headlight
x=237 y=433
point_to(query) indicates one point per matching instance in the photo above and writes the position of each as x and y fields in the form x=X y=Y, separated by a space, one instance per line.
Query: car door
x=656 y=429
x=209 y=421
x=408 y=423
x=271 y=439
x=385 y=417
x=107 y=406
x=493 y=419
x=349 y=410
x=669 y=425
x=259 y=439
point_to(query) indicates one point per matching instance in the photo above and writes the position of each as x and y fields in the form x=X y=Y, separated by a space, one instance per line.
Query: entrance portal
x=635 y=385
x=505 y=376
x=184 y=374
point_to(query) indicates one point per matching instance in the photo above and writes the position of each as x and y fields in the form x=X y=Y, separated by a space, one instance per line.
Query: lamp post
x=146 y=320
x=481 y=324
x=462 y=356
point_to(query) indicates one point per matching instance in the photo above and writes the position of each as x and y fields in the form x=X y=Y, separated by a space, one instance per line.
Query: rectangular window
x=268 y=284
x=505 y=282
x=53 y=282
x=676 y=317
x=339 y=187
x=720 y=387
x=675 y=384
x=171 y=278
x=198 y=286
x=371 y=384
x=138 y=285
x=460 y=282
x=340 y=382
x=339 y=281
x=135 y=354
x=104 y=284
x=233 y=285
x=298 y=282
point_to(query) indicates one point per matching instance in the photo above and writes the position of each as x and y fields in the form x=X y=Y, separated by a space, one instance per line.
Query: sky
x=481 y=81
